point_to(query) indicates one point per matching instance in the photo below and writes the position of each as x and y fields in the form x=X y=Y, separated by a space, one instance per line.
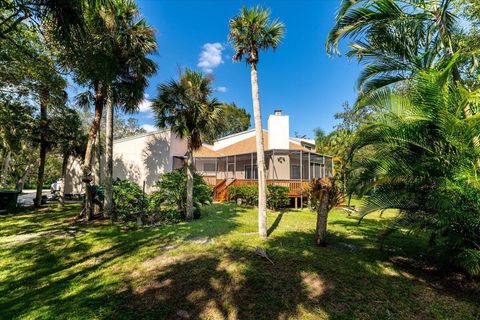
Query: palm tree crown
x=394 y=39
x=252 y=31
x=185 y=107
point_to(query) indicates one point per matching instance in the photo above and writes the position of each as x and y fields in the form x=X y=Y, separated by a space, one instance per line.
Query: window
x=209 y=167
x=295 y=172
x=316 y=170
x=251 y=174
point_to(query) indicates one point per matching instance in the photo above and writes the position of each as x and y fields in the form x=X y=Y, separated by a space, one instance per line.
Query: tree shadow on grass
x=332 y=282
x=43 y=269
x=275 y=223
x=133 y=276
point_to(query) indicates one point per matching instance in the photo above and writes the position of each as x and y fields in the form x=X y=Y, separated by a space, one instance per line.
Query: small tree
x=325 y=195
x=186 y=108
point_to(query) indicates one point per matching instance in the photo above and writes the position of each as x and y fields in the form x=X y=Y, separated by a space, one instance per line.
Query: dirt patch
x=314 y=284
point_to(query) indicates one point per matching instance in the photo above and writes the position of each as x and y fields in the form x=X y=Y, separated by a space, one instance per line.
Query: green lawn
x=52 y=268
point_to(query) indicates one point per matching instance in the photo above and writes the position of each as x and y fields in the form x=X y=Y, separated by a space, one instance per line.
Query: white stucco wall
x=141 y=158
x=278 y=132
x=73 y=178
x=147 y=157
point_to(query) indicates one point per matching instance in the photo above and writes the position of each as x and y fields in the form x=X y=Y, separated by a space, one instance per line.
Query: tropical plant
x=16 y=124
x=277 y=197
x=134 y=41
x=172 y=193
x=109 y=60
x=324 y=196
x=65 y=16
x=250 y=32
x=248 y=193
x=395 y=39
x=425 y=164
x=186 y=108
x=128 y=199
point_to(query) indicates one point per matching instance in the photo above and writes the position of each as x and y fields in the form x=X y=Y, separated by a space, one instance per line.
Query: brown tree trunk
x=109 y=163
x=189 y=213
x=43 y=148
x=92 y=134
x=262 y=183
x=6 y=168
x=322 y=217
x=64 y=179
x=97 y=170
x=21 y=182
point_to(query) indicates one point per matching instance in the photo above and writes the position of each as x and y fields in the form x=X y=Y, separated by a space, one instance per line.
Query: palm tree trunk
x=6 y=168
x=262 y=186
x=43 y=148
x=322 y=217
x=64 y=176
x=96 y=160
x=189 y=213
x=109 y=163
x=92 y=135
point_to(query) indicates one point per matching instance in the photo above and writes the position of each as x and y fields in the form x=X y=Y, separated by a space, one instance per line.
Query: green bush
x=277 y=197
x=172 y=193
x=247 y=192
x=128 y=199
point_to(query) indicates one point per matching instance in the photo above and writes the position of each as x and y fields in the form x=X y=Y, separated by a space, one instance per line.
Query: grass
x=51 y=267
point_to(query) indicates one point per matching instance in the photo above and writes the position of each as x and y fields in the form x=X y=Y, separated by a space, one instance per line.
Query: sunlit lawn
x=52 y=268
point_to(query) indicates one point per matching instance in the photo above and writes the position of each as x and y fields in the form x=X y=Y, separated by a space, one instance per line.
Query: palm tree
x=250 y=32
x=185 y=107
x=134 y=41
x=103 y=59
x=395 y=39
x=425 y=164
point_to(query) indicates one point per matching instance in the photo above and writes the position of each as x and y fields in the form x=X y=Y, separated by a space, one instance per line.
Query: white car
x=56 y=186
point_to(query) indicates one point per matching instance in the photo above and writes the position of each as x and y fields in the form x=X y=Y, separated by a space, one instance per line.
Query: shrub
x=247 y=192
x=277 y=197
x=172 y=192
x=128 y=199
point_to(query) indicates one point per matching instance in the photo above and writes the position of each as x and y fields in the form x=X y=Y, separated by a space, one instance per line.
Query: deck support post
x=309 y=166
x=323 y=167
x=301 y=179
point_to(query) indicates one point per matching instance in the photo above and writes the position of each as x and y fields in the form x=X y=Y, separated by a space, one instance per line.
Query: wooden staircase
x=220 y=191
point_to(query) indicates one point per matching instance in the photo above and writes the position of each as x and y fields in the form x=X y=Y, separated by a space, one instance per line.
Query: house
x=290 y=162
x=232 y=160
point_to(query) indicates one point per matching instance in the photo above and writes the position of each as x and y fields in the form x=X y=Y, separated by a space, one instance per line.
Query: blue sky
x=300 y=78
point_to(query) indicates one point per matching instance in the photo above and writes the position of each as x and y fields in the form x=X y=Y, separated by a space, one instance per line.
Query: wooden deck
x=296 y=188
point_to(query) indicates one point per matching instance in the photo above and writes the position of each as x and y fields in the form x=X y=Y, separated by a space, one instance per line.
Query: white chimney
x=278 y=131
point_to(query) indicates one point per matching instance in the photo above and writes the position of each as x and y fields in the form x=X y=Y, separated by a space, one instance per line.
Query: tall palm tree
x=134 y=41
x=103 y=58
x=250 y=32
x=185 y=107
x=395 y=38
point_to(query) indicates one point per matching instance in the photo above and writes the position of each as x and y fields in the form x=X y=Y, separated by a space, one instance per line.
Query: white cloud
x=149 y=127
x=145 y=105
x=221 y=89
x=210 y=57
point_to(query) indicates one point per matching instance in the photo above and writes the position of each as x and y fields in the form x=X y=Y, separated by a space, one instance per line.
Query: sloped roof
x=247 y=145
x=206 y=151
